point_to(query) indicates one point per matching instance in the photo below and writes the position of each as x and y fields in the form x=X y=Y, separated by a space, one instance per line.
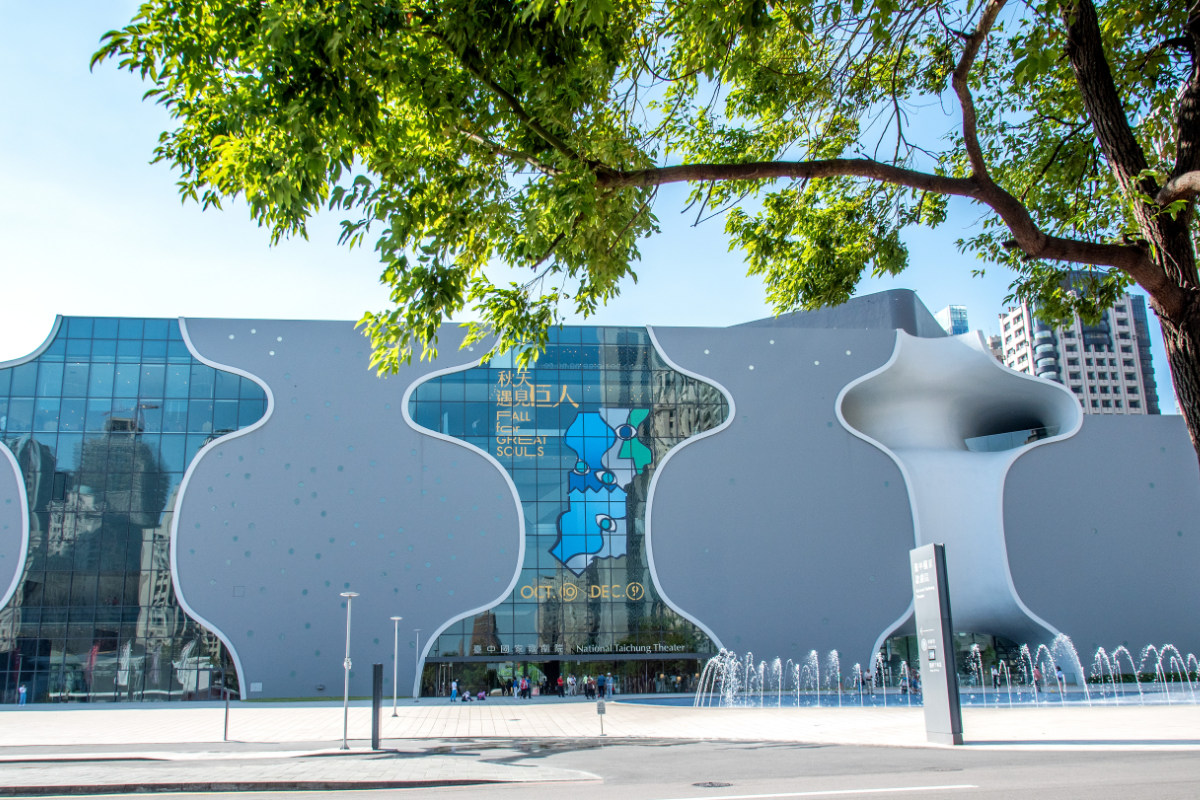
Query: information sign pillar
x=935 y=641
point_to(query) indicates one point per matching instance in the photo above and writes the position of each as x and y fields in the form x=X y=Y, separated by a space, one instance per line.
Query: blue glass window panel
x=225 y=414
x=429 y=392
x=55 y=350
x=70 y=446
x=24 y=380
x=227 y=385
x=129 y=350
x=200 y=415
x=177 y=351
x=79 y=348
x=45 y=414
x=124 y=408
x=73 y=413
x=202 y=382
x=252 y=391
x=129 y=328
x=427 y=416
x=79 y=327
x=178 y=378
x=20 y=414
x=100 y=383
x=157 y=328
x=104 y=348
x=105 y=328
x=525 y=481
x=75 y=379
x=173 y=331
x=175 y=416
x=5 y=381
x=126 y=381
x=153 y=380
x=452 y=418
x=476 y=386
x=172 y=450
x=154 y=351
x=550 y=492
x=3 y=413
x=569 y=357
x=152 y=416
x=194 y=443
x=50 y=378
x=452 y=387
x=250 y=412
x=97 y=414
x=478 y=419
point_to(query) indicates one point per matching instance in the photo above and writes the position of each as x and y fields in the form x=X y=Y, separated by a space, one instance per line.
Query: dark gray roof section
x=896 y=308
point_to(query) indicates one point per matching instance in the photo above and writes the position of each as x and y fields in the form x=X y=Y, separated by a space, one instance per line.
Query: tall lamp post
x=417 y=656
x=395 y=659
x=346 y=666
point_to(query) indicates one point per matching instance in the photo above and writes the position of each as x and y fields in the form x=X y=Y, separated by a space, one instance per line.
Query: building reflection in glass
x=103 y=424
x=580 y=433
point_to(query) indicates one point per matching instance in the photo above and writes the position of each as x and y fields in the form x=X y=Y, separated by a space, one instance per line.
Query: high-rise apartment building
x=953 y=320
x=1107 y=365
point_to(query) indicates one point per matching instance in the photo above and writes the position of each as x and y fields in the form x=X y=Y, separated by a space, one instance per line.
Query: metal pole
x=376 y=702
x=417 y=666
x=346 y=666
x=395 y=659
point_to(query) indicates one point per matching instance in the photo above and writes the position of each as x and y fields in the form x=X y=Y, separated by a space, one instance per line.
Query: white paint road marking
x=832 y=792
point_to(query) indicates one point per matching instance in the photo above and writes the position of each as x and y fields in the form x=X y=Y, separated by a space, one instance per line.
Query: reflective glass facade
x=103 y=424
x=580 y=434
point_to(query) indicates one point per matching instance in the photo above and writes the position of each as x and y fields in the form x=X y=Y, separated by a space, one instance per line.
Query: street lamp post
x=346 y=666
x=417 y=656
x=395 y=659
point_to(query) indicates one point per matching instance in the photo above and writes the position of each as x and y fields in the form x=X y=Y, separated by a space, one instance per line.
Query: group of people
x=1060 y=679
x=466 y=694
x=570 y=686
x=592 y=687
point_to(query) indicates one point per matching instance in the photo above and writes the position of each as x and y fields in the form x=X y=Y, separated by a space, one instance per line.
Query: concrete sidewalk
x=56 y=750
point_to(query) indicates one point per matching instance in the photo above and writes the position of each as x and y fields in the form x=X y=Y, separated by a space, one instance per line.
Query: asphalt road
x=687 y=770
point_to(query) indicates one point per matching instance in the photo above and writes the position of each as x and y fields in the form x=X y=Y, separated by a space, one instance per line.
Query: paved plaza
x=48 y=748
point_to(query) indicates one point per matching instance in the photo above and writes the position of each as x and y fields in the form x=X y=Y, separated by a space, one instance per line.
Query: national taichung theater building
x=184 y=501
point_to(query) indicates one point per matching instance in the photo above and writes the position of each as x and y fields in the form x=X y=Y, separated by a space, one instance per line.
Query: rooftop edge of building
x=889 y=310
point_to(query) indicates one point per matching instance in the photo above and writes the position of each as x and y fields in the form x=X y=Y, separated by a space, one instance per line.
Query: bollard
x=376 y=702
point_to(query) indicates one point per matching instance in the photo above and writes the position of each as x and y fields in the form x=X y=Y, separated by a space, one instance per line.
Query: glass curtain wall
x=580 y=433
x=103 y=424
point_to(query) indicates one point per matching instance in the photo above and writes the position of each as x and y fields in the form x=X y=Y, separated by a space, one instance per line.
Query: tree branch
x=1036 y=244
x=507 y=152
x=518 y=109
x=1181 y=187
x=472 y=62
x=962 y=90
x=797 y=170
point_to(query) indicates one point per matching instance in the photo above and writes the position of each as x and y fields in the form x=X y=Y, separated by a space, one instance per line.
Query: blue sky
x=89 y=227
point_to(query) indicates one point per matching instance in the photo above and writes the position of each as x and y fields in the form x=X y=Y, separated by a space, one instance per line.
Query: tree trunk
x=1181 y=335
